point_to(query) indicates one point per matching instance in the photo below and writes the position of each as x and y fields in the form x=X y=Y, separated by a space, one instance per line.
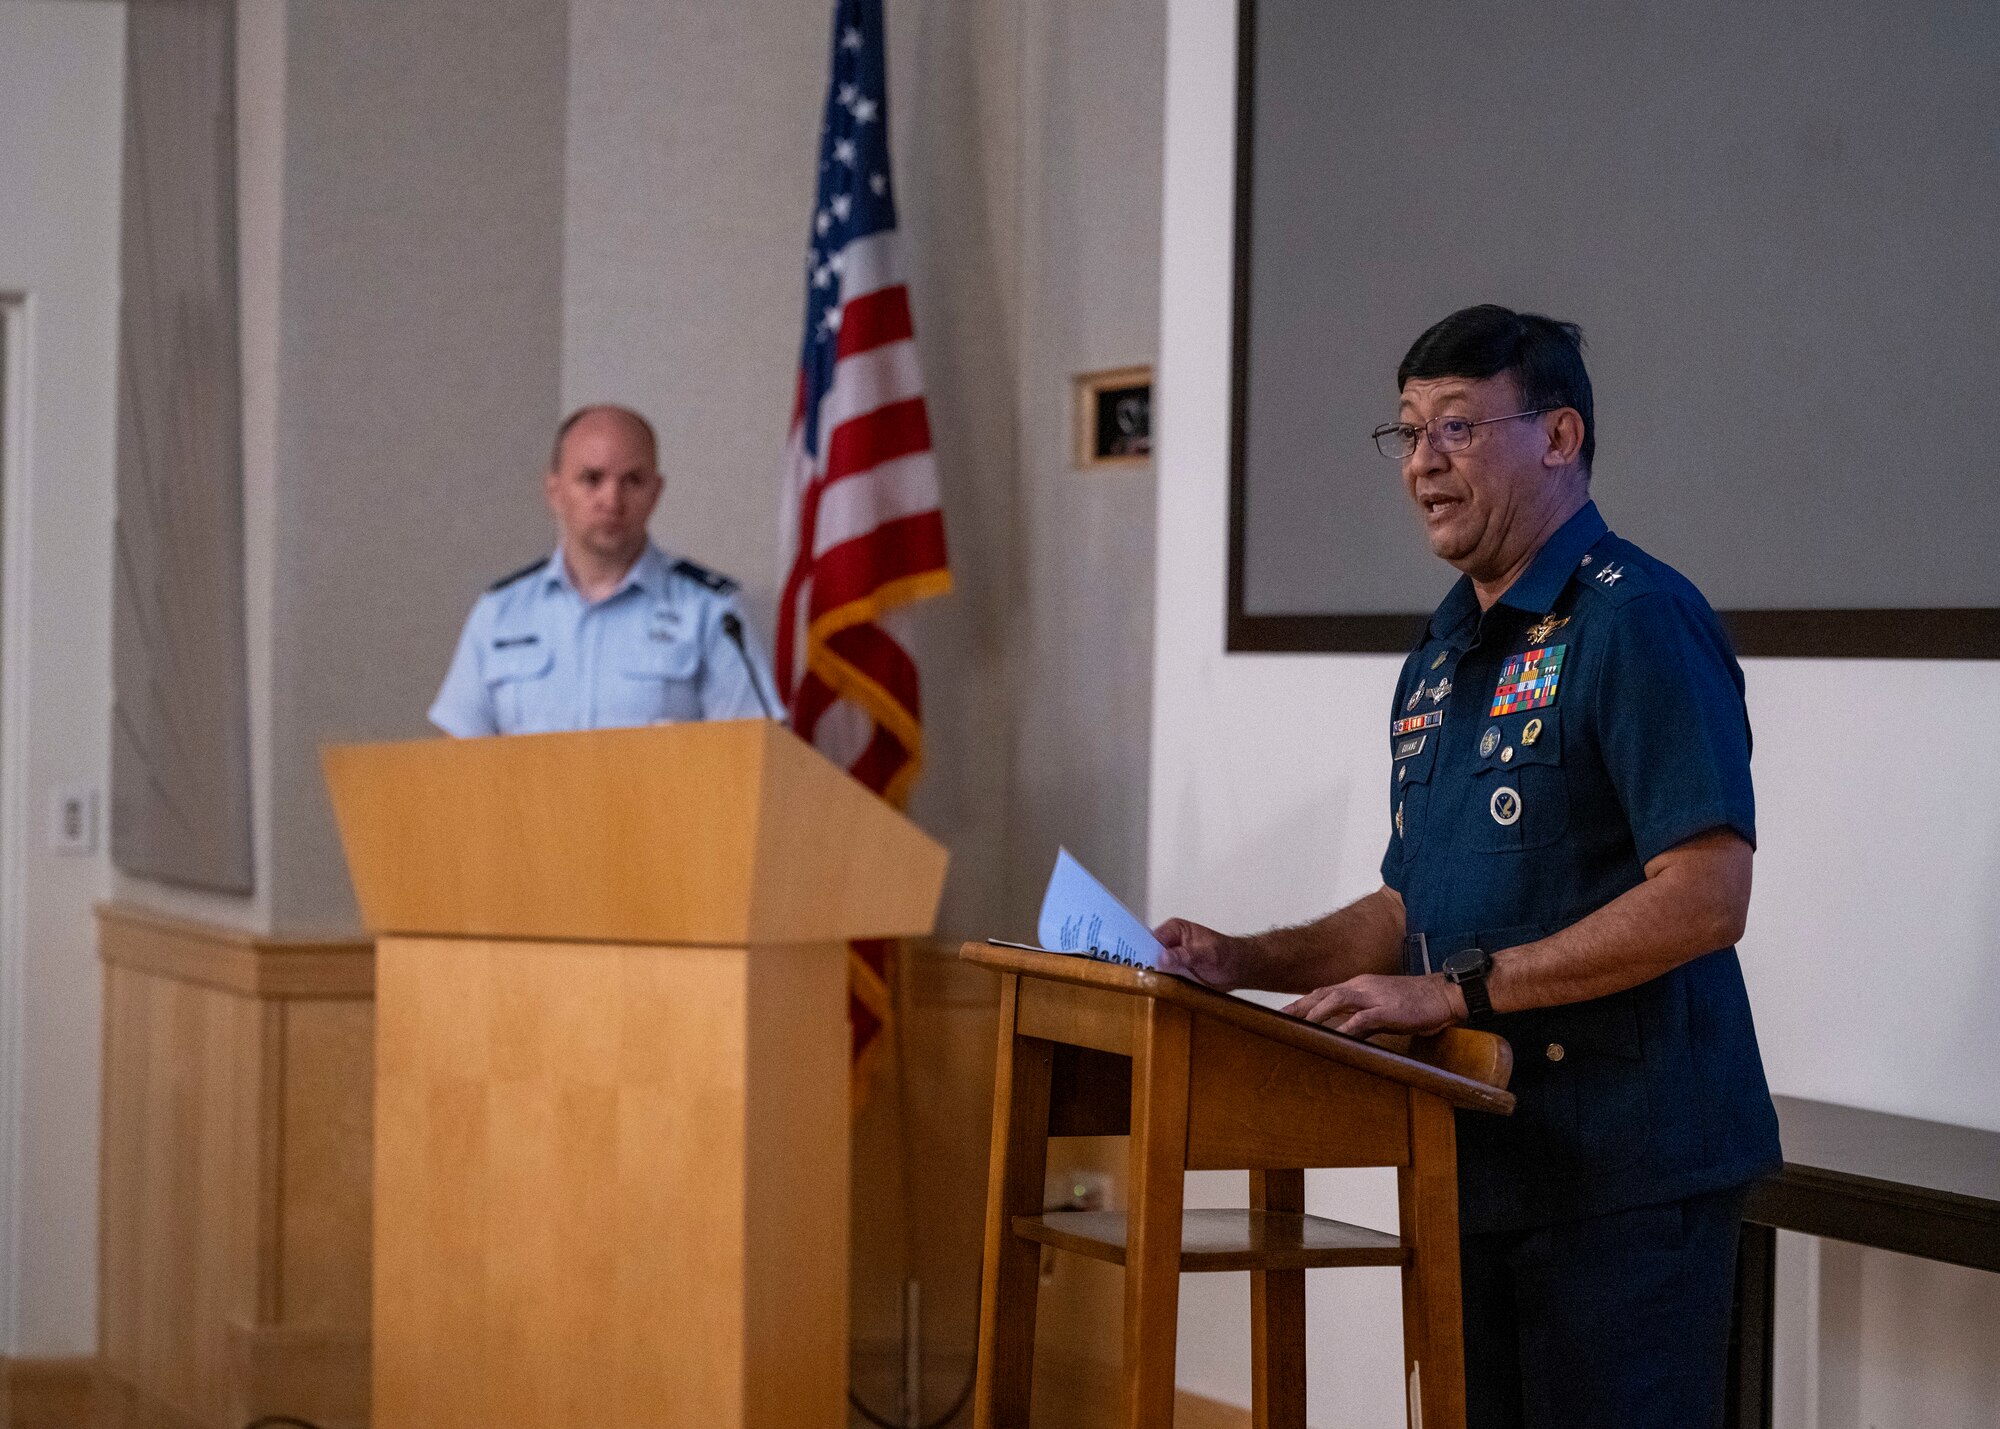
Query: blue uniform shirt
x=1541 y=752
x=536 y=657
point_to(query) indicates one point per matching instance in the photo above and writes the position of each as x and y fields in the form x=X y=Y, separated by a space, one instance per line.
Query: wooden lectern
x=1205 y=1082
x=611 y=1105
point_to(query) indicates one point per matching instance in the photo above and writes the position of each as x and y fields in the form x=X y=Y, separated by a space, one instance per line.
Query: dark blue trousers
x=1616 y=1322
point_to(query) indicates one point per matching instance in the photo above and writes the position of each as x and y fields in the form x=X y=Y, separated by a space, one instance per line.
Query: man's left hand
x=1375 y=1002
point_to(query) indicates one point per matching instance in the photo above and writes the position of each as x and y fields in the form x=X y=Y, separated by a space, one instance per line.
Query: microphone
x=733 y=628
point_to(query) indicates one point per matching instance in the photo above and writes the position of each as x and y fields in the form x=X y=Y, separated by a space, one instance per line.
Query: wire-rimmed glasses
x=1398 y=440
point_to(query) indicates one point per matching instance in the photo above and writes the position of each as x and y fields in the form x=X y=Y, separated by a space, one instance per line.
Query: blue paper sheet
x=1079 y=915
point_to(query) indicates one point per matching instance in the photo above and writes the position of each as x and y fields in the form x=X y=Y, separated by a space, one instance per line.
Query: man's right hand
x=1202 y=953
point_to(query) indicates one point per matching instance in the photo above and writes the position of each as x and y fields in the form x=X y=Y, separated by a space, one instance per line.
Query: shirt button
x=1554 y=1052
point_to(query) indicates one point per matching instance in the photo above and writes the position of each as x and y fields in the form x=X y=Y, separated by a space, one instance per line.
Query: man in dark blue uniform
x=1569 y=865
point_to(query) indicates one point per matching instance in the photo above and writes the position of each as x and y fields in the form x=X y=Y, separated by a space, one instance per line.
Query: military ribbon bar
x=1528 y=680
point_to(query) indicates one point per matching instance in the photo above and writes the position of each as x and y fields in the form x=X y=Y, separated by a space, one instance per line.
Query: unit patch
x=1416 y=722
x=1505 y=806
x=1413 y=745
x=1528 y=681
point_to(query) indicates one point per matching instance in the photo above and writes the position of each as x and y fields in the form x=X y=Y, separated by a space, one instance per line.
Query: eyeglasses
x=1398 y=440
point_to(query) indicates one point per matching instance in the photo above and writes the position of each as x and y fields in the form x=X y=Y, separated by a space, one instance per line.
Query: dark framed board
x=1775 y=225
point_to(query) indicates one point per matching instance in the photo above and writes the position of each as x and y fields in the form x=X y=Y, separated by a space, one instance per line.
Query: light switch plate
x=73 y=819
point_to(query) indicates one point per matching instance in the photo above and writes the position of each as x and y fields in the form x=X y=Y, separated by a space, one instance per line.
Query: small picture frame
x=1114 y=417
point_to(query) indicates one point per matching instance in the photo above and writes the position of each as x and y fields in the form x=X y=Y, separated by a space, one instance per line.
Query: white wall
x=1870 y=954
x=61 y=81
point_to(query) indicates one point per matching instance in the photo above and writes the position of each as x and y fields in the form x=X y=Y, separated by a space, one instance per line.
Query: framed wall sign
x=1114 y=417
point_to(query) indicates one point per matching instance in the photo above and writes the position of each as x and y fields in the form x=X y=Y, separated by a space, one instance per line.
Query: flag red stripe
x=894 y=550
x=874 y=320
x=815 y=697
x=879 y=762
x=878 y=436
x=876 y=654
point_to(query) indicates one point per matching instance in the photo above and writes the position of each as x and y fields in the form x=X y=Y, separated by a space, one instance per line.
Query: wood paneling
x=235 y=1209
x=47 y=1393
x=732 y=816
x=613 y=1186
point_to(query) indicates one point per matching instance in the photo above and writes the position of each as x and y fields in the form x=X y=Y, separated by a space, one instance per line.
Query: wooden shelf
x=1223 y=1239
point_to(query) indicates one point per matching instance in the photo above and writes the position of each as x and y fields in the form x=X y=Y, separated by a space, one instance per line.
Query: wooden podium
x=611 y=1106
x=1204 y=1082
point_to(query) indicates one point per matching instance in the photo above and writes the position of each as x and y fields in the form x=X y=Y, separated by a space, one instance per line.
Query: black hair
x=1543 y=356
x=646 y=427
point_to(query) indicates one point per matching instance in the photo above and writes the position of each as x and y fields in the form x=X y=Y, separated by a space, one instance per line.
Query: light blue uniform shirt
x=536 y=657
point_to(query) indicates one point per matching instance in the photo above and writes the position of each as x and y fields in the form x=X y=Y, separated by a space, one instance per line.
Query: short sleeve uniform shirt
x=535 y=657
x=1541 y=753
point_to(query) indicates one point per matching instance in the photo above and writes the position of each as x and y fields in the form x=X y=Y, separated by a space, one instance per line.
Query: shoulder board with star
x=1615 y=572
x=702 y=575
x=521 y=574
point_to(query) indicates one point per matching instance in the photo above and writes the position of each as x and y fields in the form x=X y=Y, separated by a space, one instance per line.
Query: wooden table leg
x=1158 y=1171
x=1278 y=1317
x=1011 y=1275
x=1433 y=1311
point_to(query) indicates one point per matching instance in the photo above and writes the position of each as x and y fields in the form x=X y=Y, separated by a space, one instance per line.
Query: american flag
x=861 y=512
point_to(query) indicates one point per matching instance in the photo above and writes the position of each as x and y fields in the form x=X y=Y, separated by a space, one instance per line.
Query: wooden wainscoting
x=236 y=1170
x=47 y=1393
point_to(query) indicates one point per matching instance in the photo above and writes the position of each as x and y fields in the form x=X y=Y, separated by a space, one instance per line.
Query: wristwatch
x=1467 y=972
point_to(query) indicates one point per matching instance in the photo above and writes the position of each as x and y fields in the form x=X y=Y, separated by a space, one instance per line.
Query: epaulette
x=521 y=574
x=1613 y=574
x=714 y=580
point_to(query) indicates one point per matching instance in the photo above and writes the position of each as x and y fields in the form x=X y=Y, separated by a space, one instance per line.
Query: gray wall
x=1027 y=146
x=420 y=321
x=1093 y=102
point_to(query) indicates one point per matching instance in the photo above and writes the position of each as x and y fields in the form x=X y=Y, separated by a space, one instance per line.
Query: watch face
x=1470 y=963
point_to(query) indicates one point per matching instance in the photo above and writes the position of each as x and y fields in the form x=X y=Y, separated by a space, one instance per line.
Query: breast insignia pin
x=1399 y=818
x=1440 y=658
x=1415 y=695
x=1539 y=633
x=1489 y=741
x=1505 y=806
x=1531 y=732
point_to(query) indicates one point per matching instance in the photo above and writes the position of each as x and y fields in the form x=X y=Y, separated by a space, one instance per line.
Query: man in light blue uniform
x=609 y=631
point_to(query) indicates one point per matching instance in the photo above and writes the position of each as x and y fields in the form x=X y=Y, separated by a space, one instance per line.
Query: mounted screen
x=1778 y=226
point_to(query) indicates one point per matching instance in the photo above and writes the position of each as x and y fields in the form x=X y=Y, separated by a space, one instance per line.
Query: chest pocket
x=658 y=680
x=516 y=670
x=1520 y=795
x=1410 y=785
